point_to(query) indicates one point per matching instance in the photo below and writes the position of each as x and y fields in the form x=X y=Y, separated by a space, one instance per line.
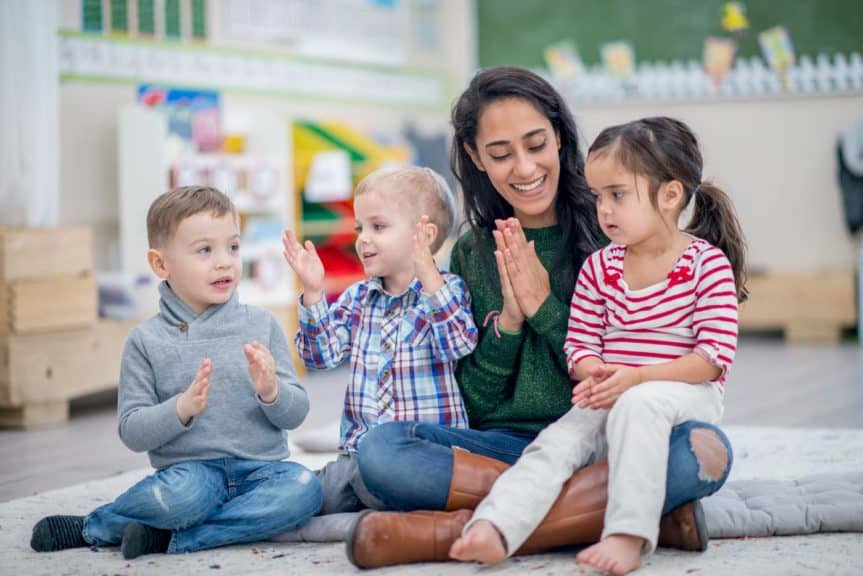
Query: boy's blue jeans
x=408 y=465
x=209 y=503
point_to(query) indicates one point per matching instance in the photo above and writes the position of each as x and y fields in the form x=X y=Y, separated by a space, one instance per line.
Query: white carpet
x=759 y=453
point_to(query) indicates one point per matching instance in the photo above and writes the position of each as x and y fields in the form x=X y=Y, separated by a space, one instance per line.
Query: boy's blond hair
x=168 y=210
x=422 y=189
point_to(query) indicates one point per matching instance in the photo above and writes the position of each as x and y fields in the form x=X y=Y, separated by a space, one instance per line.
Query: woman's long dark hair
x=664 y=149
x=574 y=206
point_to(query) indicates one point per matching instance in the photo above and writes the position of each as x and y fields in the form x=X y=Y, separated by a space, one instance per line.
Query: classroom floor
x=790 y=411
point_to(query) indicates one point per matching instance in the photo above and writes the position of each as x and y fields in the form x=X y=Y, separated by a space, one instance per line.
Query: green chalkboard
x=515 y=32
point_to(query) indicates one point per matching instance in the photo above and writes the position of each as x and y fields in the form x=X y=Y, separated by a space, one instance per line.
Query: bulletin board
x=515 y=32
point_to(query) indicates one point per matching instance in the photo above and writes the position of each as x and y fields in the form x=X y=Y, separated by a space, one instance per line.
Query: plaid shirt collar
x=375 y=283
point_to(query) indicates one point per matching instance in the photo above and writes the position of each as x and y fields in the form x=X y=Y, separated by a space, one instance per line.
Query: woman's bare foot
x=482 y=543
x=618 y=554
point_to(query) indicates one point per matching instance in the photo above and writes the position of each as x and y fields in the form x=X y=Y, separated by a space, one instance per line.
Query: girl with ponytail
x=652 y=333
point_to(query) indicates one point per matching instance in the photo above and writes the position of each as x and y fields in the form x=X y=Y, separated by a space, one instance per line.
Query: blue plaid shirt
x=402 y=351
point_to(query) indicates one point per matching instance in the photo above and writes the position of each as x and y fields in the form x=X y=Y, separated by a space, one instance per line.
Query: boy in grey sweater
x=208 y=389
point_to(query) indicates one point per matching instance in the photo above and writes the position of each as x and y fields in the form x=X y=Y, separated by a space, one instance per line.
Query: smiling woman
x=517 y=148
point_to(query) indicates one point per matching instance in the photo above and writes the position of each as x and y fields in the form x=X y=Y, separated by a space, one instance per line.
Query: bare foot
x=482 y=543
x=618 y=554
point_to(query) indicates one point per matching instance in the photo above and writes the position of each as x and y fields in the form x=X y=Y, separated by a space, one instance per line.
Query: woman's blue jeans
x=408 y=465
x=209 y=503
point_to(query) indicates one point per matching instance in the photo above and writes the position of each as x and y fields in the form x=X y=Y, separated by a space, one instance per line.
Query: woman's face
x=517 y=147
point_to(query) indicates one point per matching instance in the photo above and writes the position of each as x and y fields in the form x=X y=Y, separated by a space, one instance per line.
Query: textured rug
x=759 y=453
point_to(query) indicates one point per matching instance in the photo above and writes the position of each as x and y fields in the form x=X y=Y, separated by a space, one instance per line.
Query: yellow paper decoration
x=734 y=17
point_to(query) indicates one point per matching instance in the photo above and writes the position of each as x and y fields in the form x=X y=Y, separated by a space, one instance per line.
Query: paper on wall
x=718 y=57
x=329 y=177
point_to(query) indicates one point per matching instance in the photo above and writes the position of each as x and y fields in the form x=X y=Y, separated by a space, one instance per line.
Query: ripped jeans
x=209 y=503
x=408 y=465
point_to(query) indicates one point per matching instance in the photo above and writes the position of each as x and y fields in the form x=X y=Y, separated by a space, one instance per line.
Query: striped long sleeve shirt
x=693 y=310
x=402 y=351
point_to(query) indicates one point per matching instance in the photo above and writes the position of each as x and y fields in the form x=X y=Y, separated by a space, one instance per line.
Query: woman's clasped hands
x=524 y=280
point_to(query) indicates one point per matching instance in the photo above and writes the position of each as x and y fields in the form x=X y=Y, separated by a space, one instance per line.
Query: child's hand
x=581 y=392
x=426 y=269
x=262 y=369
x=511 y=317
x=602 y=371
x=307 y=264
x=616 y=380
x=584 y=389
x=194 y=400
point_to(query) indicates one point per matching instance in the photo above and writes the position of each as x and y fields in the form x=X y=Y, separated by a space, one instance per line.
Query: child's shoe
x=140 y=539
x=53 y=533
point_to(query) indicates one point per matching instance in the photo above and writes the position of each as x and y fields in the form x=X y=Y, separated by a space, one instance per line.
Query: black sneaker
x=140 y=539
x=53 y=533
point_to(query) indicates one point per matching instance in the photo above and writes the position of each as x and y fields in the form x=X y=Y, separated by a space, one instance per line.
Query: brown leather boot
x=684 y=528
x=473 y=475
x=576 y=517
x=389 y=538
x=472 y=478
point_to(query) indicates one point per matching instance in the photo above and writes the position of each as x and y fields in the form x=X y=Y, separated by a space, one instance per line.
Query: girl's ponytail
x=714 y=220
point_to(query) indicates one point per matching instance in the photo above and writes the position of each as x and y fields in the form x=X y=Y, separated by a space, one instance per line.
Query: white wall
x=88 y=123
x=29 y=137
x=777 y=159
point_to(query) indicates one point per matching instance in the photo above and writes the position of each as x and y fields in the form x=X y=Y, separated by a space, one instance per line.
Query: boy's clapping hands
x=194 y=400
x=262 y=369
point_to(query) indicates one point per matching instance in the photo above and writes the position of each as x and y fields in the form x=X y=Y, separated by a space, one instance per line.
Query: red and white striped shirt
x=693 y=310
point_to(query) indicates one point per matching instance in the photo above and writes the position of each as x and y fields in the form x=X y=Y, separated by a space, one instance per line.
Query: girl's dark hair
x=664 y=149
x=574 y=206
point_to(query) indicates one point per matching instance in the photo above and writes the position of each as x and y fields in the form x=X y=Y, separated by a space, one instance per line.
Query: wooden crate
x=27 y=253
x=42 y=305
x=807 y=306
x=40 y=373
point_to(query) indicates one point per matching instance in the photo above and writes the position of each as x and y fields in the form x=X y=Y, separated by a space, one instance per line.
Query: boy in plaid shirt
x=403 y=328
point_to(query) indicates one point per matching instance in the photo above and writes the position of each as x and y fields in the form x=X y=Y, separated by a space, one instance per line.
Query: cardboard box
x=27 y=253
x=28 y=306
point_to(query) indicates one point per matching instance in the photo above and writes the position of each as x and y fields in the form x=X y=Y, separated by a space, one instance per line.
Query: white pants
x=637 y=431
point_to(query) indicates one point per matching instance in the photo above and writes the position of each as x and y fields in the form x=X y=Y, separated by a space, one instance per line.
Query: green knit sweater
x=518 y=381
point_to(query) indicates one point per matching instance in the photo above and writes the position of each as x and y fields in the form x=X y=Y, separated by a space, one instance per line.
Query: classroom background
x=286 y=104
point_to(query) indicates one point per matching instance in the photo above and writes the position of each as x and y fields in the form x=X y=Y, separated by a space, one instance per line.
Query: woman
x=515 y=153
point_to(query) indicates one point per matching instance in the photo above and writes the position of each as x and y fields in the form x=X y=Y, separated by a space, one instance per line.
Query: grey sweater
x=159 y=363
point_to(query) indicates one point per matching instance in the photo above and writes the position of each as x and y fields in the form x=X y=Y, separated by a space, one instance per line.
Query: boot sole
x=349 y=543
